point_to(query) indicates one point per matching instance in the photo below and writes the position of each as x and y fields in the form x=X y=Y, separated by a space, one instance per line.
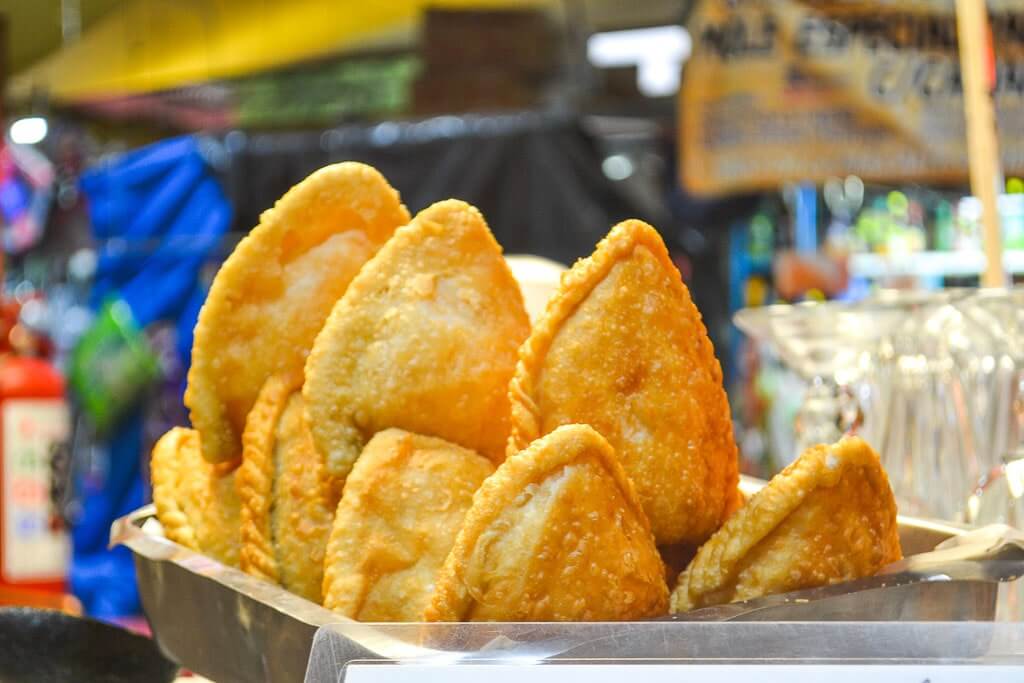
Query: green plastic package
x=112 y=366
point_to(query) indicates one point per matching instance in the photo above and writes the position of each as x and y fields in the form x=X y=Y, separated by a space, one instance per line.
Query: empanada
x=273 y=293
x=555 y=534
x=424 y=339
x=287 y=500
x=621 y=347
x=402 y=506
x=195 y=501
x=828 y=517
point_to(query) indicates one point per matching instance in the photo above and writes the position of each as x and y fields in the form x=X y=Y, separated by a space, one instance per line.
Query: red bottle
x=34 y=549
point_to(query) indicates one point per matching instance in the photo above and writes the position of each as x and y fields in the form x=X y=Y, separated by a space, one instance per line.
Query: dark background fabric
x=537 y=179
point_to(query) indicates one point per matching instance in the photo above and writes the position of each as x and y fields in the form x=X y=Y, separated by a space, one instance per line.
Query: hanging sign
x=780 y=91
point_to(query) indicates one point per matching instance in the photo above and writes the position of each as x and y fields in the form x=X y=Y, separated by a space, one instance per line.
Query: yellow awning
x=151 y=45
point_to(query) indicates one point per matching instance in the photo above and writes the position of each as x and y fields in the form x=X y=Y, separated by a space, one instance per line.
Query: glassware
x=932 y=380
x=919 y=423
x=826 y=344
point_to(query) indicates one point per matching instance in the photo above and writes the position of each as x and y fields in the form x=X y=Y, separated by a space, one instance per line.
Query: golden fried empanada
x=287 y=499
x=402 y=506
x=828 y=517
x=195 y=501
x=273 y=293
x=733 y=503
x=424 y=339
x=621 y=347
x=555 y=534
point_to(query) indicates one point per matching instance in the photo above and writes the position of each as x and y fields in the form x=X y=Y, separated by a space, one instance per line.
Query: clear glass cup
x=932 y=380
x=828 y=345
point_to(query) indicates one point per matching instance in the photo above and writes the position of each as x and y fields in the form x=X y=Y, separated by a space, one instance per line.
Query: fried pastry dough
x=828 y=517
x=734 y=503
x=621 y=347
x=424 y=339
x=273 y=293
x=403 y=504
x=556 y=534
x=195 y=501
x=287 y=501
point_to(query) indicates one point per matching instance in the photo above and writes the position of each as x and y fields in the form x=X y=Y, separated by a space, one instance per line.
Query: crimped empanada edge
x=574 y=287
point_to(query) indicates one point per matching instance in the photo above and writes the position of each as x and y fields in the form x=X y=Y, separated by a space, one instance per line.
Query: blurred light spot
x=82 y=265
x=29 y=131
x=657 y=52
x=973 y=508
x=897 y=202
x=617 y=167
x=385 y=134
x=235 y=141
x=854 y=187
x=1014 y=472
x=35 y=315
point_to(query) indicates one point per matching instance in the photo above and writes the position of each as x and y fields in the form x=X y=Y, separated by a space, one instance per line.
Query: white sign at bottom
x=683 y=673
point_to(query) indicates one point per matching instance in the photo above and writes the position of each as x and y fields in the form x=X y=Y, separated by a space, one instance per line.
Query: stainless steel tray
x=215 y=620
x=228 y=626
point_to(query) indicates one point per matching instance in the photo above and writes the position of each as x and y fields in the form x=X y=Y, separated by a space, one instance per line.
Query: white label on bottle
x=32 y=549
x=682 y=673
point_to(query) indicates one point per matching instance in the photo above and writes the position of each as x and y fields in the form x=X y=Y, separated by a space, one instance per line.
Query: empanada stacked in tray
x=378 y=428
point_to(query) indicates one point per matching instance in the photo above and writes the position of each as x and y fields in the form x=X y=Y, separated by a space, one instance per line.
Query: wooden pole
x=982 y=147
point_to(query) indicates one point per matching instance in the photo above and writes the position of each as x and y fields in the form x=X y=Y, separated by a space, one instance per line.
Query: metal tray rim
x=128 y=531
x=234 y=627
